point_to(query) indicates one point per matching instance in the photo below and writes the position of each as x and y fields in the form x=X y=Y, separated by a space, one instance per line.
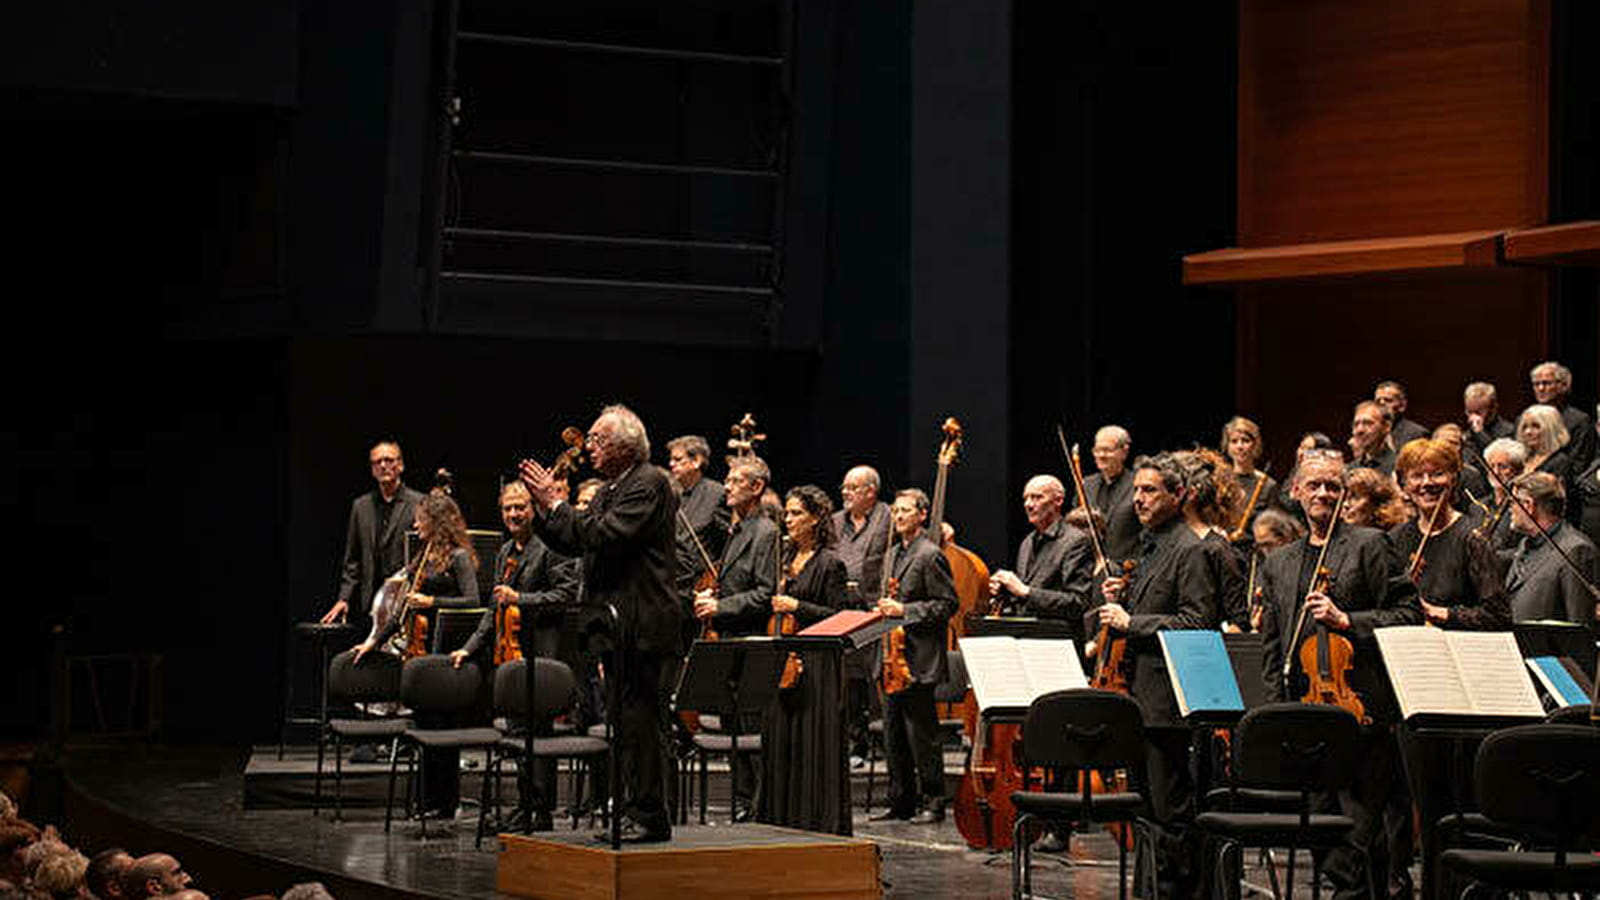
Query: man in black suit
x=1055 y=564
x=862 y=527
x=375 y=538
x=1368 y=589
x=1552 y=385
x=1110 y=492
x=1540 y=584
x=542 y=584
x=1370 y=445
x=701 y=499
x=925 y=601
x=626 y=538
x=1391 y=395
x=1172 y=587
x=742 y=602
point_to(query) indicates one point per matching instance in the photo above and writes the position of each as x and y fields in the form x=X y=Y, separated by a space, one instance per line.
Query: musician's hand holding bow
x=420 y=601
x=1112 y=614
x=544 y=487
x=504 y=594
x=783 y=603
x=1438 y=615
x=1324 y=610
x=891 y=607
x=705 y=604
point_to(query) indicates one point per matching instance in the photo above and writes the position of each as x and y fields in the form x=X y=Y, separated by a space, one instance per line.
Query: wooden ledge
x=1572 y=244
x=1241 y=265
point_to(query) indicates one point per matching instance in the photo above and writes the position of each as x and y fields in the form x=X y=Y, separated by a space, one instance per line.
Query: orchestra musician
x=925 y=602
x=1460 y=582
x=1391 y=395
x=1110 y=491
x=814 y=585
x=1540 y=584
x=542 y=584
x=446 y=577
x=1472 y=486
x=862 y=528
x=1210 y=500
x=699 y=497
x=375 y=538
x=1173 y=586
x=1370 y=443
x=1552 y=386
x=626 y=538
x=741 y=604
x=1505 y=459
x=1241 y=442
x=1372 y=499
x=1542 y=433
x=1480 y=404
x=1055 y=564
x=1367 y=589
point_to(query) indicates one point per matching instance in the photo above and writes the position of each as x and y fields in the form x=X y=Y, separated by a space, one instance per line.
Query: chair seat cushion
x=1532 y=870
x=453 y=737
x=565 y=746
x=1252 y=800
x=364 y=728
x=1105 y=807
x=1277 y=829
x=723 y=743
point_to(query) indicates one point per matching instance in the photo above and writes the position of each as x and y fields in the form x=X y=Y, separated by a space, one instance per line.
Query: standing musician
x=1370 y=445
x=1504 y=459
x=1480 y=404
x=445 y=577
x=375 y=538
x=926 y=600
x=1391 y=395
x=814 y=577
x=1241 y=442
x=742 y=601
x=1460 y=583
x=700 y=498
x=626 y=538
x=1552 y=385
x=1172 y=587
x=862 y=528
x=542 y=584
x=1110 y=492
x=1210 y=498
x=1055 y=564
x=1540 y=584
x=1367 y=589
x=1472 y=486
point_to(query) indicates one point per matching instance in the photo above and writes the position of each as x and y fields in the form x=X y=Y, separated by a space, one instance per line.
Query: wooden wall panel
x=1308 y=353
x=1382 y=118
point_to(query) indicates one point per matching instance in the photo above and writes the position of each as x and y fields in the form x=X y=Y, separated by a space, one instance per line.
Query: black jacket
x=367 y=552
x=749 y=576
x=1115 y=502
x=626 y=539
x=1540 y=584
x=1057 y=565
x=929 y=595
x=546 y=583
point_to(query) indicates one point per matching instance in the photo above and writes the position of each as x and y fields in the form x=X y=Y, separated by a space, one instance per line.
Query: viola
x=1326 y=659
x=782 y=623
x=896 y=671
x=507 y=621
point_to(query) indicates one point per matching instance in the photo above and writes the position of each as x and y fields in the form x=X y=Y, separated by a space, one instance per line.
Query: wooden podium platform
x=704 y=862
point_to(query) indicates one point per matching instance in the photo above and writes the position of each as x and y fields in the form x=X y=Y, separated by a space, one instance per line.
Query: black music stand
x=1576 y=642
x=732 y=679
x=323 y=635
x=1019 y=627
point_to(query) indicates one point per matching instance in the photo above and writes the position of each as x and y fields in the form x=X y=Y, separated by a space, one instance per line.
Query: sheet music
x=1492 y=669
x=1423 y=671
x=1010 y=672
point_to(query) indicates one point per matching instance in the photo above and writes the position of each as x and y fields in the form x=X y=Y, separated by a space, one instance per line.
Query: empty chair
x=375 y=680
x=554 y=692
x=437 y=691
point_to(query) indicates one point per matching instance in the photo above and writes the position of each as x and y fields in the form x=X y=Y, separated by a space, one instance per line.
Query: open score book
x=1457 y=673
x=1010 y=673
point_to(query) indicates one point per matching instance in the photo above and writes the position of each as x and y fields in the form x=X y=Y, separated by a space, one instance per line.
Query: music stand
x=1019 y=627
x=731 y=678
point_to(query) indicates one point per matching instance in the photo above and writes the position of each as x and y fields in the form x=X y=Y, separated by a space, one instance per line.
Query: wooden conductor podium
x=706 y=862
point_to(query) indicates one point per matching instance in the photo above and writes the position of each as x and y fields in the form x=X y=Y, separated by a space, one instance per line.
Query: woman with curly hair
x=1371 y=498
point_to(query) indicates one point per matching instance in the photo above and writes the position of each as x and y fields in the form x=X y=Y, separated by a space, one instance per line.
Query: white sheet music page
x=1051 y=665
x=1497 y=680
x=995 y=668
x=1423 y=671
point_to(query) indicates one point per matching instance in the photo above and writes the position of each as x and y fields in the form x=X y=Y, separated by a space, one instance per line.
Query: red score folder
x=842 y=623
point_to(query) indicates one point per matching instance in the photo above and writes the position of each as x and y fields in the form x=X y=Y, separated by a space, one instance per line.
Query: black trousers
x=911 y=743
x=642 y=706
x=1377 y=777
x=536 y=789
x=1170 y=785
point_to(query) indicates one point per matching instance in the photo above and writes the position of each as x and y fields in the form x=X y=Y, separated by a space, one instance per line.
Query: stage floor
x=198 y=794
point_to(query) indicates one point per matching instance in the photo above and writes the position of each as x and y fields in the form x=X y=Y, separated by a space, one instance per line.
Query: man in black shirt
x=375 y=538
x=1055 y=563
x=1172 y=587
x=701 y=498
x=1552 y=385
x=1540 y=583
x=1481 y=405
x=1370 y=446
x=1110 y=492
x=862 y=527
x=1391 y=395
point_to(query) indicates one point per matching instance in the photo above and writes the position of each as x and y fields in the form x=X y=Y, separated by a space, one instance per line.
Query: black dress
x=805 y=751
x=1460 y=572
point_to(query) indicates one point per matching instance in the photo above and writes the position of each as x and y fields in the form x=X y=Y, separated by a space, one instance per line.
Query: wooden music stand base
x=705 y=862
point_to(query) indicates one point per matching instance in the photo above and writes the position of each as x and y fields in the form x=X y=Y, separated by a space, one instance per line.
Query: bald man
x=1055 y=564
x=152 y=875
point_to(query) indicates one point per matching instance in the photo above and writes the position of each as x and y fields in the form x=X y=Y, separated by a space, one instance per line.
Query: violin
x=1111 y=661
x=413 y=630
x=782 y=623
x=896 y=671
x=1326 y=658
x=507 y=620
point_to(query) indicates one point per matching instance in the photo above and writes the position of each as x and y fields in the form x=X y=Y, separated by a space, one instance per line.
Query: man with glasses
x=862 y=526
x=1552 y=386
x=627 y=541
x=374 y=544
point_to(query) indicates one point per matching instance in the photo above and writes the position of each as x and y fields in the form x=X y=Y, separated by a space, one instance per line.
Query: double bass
x=967 y=569
x=508 y=616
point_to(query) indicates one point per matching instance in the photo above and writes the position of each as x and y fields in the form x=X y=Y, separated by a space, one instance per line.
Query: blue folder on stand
x=1202 y=677
x=1557 y=681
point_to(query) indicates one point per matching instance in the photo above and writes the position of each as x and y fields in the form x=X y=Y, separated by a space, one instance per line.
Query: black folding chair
x=1087 y=730
x=554 y=692
x=375 y=680
x=431 y=686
